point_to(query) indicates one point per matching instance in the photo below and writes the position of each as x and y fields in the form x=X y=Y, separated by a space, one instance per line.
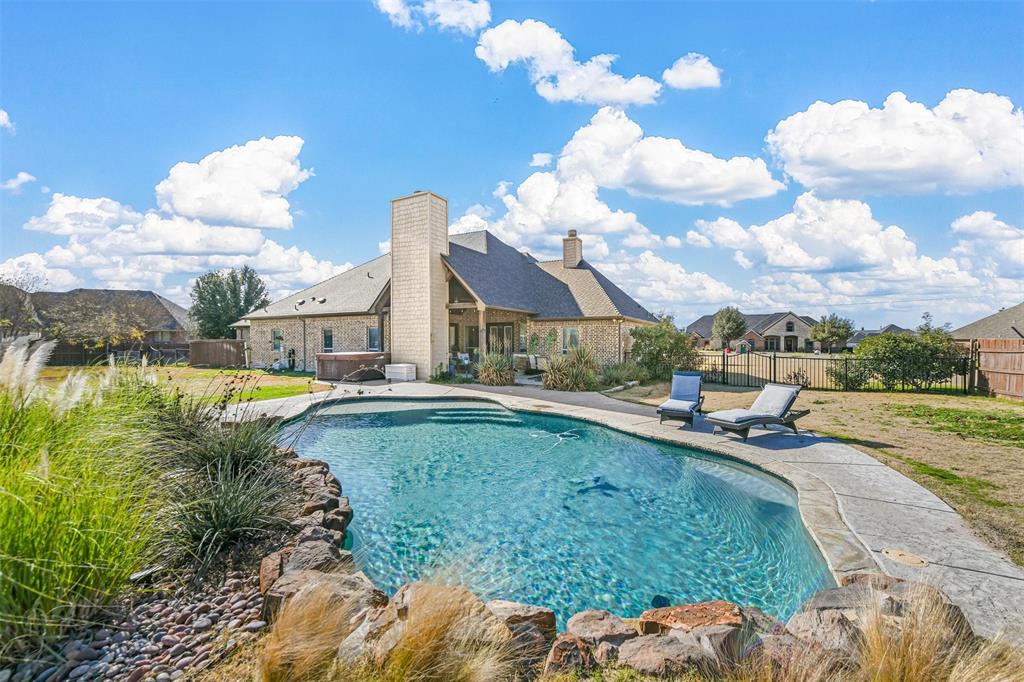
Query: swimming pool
x=559 y=512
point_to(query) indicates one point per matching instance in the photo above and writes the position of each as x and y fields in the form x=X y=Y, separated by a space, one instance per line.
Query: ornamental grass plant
x=110 y=473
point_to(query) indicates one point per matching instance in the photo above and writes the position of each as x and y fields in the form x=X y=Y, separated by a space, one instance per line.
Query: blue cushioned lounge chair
x=773 y=406
x=685 y=399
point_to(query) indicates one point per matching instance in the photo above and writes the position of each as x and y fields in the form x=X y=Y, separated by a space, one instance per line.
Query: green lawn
x=1006 y=427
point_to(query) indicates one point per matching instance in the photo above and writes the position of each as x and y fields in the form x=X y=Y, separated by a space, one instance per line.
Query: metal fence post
x=846 y=374
x=725 y=367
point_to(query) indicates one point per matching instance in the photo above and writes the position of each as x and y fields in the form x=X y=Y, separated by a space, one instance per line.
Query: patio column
x=482 y=323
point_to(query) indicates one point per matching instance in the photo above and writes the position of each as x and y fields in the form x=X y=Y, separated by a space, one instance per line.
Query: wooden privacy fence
x=217 y=353
x=72 y=354
x=1000 y=367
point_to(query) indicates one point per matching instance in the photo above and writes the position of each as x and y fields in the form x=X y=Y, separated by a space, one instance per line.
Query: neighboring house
x=859 y=336
x=85 y=315
x=435 y=295
x=1008 y=323
x=784 y=332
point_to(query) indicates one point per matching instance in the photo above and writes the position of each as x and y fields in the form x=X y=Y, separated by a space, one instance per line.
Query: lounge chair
x=685 y=399
x=773 y=406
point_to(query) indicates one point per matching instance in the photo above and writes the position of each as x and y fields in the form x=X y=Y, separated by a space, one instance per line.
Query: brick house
x=783 y=332
x=437 y=294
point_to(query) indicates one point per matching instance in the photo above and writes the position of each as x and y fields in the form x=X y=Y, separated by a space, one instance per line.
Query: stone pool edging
x=843 y=550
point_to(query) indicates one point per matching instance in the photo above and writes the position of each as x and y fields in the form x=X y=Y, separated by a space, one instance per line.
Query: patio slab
x=853 y=505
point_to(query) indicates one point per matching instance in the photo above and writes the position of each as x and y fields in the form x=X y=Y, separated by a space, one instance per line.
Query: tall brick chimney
x=572 y=250
x=419 y=289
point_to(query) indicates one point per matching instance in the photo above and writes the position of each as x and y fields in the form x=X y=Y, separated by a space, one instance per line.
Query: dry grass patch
x=963 y=448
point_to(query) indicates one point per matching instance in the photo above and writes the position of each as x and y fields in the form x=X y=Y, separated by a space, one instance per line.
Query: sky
x=859 y=158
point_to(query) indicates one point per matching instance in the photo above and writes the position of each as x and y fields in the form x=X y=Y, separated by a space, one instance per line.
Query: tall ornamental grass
x=74 y=496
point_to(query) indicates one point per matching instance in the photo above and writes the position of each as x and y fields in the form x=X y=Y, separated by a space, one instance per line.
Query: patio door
x=499 y=338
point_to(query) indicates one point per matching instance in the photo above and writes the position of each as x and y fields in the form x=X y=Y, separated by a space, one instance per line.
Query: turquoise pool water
x=558 y=512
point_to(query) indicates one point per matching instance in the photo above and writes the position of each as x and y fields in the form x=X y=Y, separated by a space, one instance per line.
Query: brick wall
x=349 y=335
x=603 y=336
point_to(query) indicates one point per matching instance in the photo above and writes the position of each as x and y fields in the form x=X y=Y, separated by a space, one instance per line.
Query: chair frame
x=788 y=419
x=687 y=416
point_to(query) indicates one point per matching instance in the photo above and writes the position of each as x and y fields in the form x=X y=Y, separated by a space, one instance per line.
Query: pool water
x=558 y=512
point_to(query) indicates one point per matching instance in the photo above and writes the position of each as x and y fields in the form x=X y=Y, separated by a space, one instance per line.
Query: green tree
x=729 y=325
x=222 y=298
x=661 y=348
x=919 y=360
x=832 y=331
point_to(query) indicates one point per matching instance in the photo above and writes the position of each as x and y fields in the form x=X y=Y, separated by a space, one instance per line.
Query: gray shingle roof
x=353 y=291
x=158 y=313
x=506 y=278
x=1006 y=324
x=862 y=334
x=758 y=322
x=497 y=273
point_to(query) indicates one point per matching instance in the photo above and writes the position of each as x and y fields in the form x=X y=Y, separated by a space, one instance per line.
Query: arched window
x=789 y=326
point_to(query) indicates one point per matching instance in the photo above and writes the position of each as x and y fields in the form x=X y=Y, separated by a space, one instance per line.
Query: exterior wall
x=419 y=288
x=801 y=330
x=471 y=318
x=603 y=336
x=349 y=335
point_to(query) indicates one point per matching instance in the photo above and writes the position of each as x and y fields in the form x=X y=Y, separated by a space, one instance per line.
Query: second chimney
x=572 y=250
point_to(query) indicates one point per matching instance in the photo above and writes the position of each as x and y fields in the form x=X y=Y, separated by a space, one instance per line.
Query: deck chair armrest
x=793 y=415
x=700 y=403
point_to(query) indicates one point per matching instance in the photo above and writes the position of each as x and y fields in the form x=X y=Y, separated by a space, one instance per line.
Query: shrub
x=575 y=371
x=659 y=349
x=441 y=375
x=619 y=374
x=849 y=375
x=922 y=361
x=496 y=369
x=797 y=377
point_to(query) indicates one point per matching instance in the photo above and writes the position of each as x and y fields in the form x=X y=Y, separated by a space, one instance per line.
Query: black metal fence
x=842 y=372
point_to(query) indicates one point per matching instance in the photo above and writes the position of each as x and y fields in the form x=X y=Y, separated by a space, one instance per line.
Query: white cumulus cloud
x=553 y=69
x=612 y=148
x=14 y=185
x=464 y=16
x=5 y=122
x=691 y=72
x=541 y=160
x=398 y=12
x=991 y=246
x=241 y=185
x=969 y=142
x=34 y=265
x=71 y=215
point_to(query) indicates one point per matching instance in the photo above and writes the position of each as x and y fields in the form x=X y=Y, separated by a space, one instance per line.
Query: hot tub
x=351 y=366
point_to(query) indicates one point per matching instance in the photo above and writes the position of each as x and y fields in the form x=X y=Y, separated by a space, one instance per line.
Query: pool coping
x=986 y=590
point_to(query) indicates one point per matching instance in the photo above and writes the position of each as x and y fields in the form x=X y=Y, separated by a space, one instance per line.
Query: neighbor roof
x=759 y=323
x=158 y=313
x=353 y=291
x=1006 y=324
x=862 y=334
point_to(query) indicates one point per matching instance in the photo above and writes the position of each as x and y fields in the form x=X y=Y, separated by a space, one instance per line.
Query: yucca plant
x=496 y=369
x=575 y=371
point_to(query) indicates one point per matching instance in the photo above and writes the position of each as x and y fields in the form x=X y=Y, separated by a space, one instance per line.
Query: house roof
x=158 y=313
x=862 y=334
x=1006 y=324
x=758 y=323
x=503 y=277
x=500 y=275
x=353 y=291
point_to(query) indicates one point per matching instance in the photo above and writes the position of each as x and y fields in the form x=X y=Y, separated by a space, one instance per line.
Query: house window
x=372 y=338
x=789 y=326
x=771 y=343
x=453 y=338
x=473 y=339
x=277 y=340
x=328 y=340
x=522 y=339
x=570 y=338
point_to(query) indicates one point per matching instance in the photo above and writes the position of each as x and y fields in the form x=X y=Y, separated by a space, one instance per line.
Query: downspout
x=305 y=367
x=621 y=356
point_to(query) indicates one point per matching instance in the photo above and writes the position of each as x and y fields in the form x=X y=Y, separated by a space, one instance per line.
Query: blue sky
x=730 y=187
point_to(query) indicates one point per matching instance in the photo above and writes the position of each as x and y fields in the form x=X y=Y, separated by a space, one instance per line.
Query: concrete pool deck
x=854 y=506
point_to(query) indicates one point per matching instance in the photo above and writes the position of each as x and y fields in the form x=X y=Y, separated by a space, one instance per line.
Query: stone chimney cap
x=572 y=233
